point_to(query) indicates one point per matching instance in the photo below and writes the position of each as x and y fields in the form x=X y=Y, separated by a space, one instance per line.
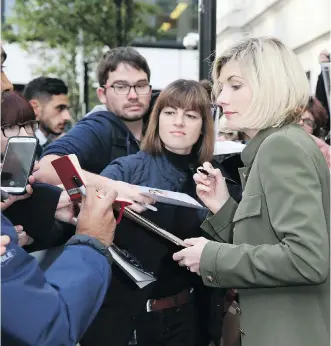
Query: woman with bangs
x=179 y=138
x=17 y=118
x=33 y=217
x=274 y=246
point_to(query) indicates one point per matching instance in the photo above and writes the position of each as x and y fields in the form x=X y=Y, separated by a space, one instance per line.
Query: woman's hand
x=211 y=188
x=23 y=238
x=14 y=198
x=191 y=256
x=65 y=210
x=132 y=193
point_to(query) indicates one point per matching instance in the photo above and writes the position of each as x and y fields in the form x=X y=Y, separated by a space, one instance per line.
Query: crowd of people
x=261 y=240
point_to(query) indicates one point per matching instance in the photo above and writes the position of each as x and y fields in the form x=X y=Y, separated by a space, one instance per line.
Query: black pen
x=204 y=172
x=79 y=185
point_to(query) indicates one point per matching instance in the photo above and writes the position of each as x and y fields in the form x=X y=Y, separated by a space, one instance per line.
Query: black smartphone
x=18 y=164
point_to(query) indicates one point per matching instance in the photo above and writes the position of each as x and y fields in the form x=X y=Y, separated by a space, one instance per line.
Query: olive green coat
x=279 y=259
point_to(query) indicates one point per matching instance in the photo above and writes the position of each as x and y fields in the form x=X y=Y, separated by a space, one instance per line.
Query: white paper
x=228 y=147
x=170 y=197
x=141 y=278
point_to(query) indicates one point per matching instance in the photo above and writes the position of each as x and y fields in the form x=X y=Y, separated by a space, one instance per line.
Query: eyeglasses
x=30 y=128
x=124 y=89
x=308 y=122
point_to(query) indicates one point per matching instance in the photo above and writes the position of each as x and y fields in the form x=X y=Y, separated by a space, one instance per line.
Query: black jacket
x=36 y=215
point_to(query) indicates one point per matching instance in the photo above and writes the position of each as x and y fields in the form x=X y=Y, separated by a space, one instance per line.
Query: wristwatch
x=82 y=239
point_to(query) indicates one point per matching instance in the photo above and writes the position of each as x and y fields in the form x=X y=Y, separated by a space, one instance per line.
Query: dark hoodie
x=97 y=139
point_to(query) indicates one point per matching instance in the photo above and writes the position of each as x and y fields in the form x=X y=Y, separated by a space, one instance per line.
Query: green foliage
x=66 y=25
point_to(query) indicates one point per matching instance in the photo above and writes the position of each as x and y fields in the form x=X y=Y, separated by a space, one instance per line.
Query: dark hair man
x=49 y=99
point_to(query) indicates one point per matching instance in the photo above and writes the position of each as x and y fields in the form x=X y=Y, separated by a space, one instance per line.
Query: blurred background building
x=302 y=24
x=165 y=52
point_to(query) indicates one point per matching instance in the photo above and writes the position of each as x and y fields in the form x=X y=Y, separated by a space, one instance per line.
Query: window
x=178 y=18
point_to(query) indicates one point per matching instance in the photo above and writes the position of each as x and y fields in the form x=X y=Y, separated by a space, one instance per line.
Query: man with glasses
x=125 y=91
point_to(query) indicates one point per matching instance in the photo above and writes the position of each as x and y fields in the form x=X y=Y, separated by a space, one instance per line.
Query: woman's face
x=307 y=122
x=179 y=129
x=235 y=94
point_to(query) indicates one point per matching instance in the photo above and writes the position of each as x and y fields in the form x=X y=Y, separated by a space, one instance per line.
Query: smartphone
x=18 y=164
x=71 y=175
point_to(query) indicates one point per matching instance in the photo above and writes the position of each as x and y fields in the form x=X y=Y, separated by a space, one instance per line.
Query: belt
x=169 y=302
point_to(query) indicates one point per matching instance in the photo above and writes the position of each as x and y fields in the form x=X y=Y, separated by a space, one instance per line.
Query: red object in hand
x=70 y=173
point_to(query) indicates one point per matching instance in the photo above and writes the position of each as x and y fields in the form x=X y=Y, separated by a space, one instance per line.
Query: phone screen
x=17 y=164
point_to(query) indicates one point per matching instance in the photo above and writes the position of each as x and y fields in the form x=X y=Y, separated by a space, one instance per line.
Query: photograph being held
x=274 y=245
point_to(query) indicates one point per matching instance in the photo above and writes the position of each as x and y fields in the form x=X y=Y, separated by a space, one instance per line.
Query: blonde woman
x=274 y=246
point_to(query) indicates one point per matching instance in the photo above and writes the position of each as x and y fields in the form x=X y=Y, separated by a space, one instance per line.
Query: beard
x=124 y=113
x=45 y=126
x=131 y=119
x=49 y=131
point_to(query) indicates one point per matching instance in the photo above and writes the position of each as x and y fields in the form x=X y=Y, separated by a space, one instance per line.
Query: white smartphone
x=18 y=164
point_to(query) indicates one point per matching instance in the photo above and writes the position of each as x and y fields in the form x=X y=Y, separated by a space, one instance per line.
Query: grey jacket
x=279 y=259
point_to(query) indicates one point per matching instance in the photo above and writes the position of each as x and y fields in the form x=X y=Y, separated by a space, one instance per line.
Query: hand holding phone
x=18 y=164
x=8 y=199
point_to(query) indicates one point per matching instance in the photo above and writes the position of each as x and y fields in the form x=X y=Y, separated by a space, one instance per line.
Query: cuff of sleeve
x=224 y=216
x=207 y=227
x=83 y=239
x=208 y=269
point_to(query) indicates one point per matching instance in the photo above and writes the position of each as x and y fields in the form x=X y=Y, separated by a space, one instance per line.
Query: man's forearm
x=47 y=174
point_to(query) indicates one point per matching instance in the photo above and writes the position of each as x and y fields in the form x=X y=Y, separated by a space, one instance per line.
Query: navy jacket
x=96 y=140
x=124 y=302
x=52 y=308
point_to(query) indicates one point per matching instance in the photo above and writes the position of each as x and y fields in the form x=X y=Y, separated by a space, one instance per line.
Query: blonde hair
x=185 y=94
x=279 y=85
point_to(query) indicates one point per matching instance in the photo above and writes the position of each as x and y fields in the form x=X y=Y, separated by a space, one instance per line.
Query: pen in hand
x=204 y=172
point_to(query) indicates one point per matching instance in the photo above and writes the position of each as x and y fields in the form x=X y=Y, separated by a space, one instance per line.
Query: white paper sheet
x=170 y=197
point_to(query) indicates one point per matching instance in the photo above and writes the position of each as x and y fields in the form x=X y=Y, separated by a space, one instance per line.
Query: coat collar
x=251 y=149
x=249 y=153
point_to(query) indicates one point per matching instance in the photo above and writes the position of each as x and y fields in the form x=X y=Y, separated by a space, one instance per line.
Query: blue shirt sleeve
x=52 y=308
x=90 y=140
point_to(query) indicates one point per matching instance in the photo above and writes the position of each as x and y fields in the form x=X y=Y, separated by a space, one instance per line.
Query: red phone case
x=67 y=171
